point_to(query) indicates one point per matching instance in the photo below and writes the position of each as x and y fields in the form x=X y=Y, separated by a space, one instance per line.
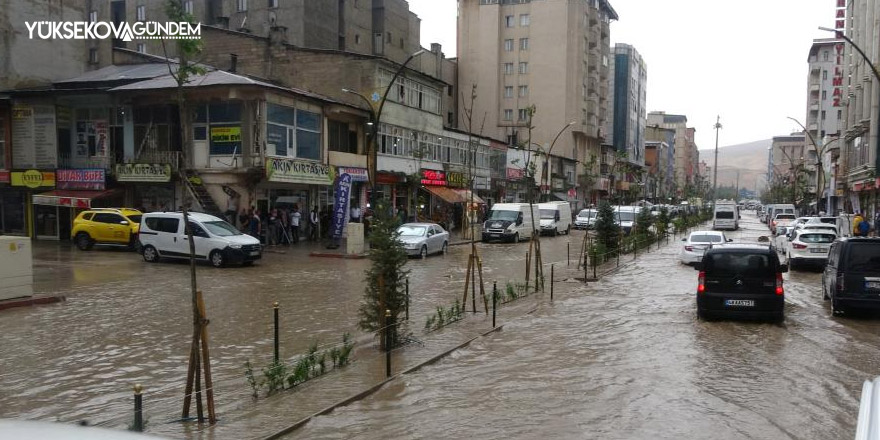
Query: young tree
x=386 y=277
x=607 y=231
x=643 y=222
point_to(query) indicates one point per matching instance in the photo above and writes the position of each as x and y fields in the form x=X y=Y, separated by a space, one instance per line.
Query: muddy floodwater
x=623 y=358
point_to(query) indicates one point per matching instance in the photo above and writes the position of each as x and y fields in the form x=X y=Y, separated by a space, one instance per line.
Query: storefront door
x=46 y=222
x=12 y=208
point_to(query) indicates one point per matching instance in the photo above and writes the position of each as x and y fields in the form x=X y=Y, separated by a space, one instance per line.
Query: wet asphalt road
x=621 y=358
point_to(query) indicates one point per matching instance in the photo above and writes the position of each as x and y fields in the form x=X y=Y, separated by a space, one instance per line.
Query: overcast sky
x=744 y=60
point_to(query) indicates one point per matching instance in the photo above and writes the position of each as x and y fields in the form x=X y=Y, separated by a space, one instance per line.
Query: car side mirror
x=124 y=222
x=730 y=240
x=783 y=268
x=684 y=239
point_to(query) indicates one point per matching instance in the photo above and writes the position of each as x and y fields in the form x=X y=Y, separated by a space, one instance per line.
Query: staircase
x=197 y=190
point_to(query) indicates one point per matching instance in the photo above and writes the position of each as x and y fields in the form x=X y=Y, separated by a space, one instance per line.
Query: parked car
x=586 y=219
x=741 y=280
x=808 y=246
x=780 y=239
x=555 y=218
x=423 y=239
x=818 y=227
x=781 y=208
x=511 y=222
x=851 y=278
x=625 y=217
x=695 y=245
x=781 y=220
x=163 y=235
x=117 y=226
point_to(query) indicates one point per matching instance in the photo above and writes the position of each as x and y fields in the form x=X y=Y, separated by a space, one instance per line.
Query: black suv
x=741 y=280
x=852 y=274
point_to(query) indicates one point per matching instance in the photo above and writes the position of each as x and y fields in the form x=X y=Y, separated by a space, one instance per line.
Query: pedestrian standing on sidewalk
x=272 y=238
x=254 y=224
x=877 y=221
x=314 y=220
x=295 y=218
x=284 y=220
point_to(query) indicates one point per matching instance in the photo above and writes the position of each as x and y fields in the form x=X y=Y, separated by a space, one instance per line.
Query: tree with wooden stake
x=475 y=263
x=529 y=171
x=199 y=358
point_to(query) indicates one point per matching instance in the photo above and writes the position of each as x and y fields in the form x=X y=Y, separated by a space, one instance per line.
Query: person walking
x=254 y=224
x=295 y=218
x=284 y=226
x=314 y=221
x=864 y=227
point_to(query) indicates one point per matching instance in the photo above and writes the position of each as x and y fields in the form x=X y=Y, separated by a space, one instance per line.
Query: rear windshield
x=705 y=239
x=816 y=238
x=785 y=217
x=730 y=264
x=724 y=214
x=864 y=256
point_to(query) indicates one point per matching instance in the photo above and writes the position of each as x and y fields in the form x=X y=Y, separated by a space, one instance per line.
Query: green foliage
x=252 y=380
x=443 y=316
x=275 y=374
x=662 y=221
x=643 y=222
x=186 y=48
x=388 y=258
x=309 y=366
x=607 y=232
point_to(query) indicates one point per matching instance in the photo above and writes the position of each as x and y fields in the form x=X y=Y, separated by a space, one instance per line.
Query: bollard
x=585 y=268
x=275 y=307
x=568 y=253
x=552 y=267
x=387 y=343
x=407 y=299
x=138 y=408
x=494 y=300
x=594 y=267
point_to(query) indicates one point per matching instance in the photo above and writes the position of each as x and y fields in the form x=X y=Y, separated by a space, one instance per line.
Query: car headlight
x=235 y=246
x=511 y=227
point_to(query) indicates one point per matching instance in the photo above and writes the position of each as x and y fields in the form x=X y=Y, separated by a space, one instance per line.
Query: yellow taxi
x=117 y=226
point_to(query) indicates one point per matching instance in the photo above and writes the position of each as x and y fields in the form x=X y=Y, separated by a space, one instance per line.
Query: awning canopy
x=453 y=195
x=72 y=198
x=562 y=197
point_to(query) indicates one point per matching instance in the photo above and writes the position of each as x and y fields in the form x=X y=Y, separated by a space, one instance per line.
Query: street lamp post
x=820 y=151
x=547 y=158
x=717 y=127
x=375 y=117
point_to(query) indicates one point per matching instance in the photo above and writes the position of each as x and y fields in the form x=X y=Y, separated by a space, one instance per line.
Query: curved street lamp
x=819 y=153
x=546 y=171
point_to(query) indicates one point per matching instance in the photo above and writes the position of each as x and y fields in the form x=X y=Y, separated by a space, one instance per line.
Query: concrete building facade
x=686 y=154
x=552 y=56
x=629 y=81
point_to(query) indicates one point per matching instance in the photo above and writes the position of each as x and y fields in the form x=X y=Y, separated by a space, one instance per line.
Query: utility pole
x=736 y=194
x=715 y=171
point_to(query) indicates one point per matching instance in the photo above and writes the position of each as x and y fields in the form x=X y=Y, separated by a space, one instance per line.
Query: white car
x=819 y=227
x=809 y=246
x=421 y=239
x=164 y=235
x=585 y=219
x=697 y=243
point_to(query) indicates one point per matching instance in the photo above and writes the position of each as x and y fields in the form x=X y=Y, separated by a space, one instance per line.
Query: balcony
x=814 y=88
x=172 y=158
x=814 y=106
x=592 y=85
x=593 y=38
x=592 y=62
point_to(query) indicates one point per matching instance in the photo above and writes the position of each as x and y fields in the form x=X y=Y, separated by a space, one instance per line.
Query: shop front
x=296 y=183
x=76 y=190
x=148 y=186
x=17 y=206
x=359 y=182
x=13 y=205
x=449 y=202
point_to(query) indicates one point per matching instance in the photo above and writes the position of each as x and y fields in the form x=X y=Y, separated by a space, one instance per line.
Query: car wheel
x=836 y=310
x=424 y=252
x=824 y=292
x=151 y=255
x=515 y=238
x=792 y=264
x=83 y=241
x=217 y=259
x=445 y=248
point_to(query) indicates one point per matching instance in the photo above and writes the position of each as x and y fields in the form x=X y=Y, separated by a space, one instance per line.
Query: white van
x=510 y=222
x=726 y=216
x=555 y=217
x=780 y=209
x=625 y=217
x=162 y=235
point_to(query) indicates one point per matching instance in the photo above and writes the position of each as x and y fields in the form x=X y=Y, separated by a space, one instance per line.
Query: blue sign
x=340 y=205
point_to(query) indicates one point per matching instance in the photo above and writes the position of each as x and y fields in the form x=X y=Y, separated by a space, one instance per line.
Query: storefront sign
x=357 y=174
x=143 y=172
x=388 y=179
x=340 y=205
x=456 y=180
x=34 y=139
x=33 y=179
x=80 y=179
x=514 y=174
x=433 y=177
x=297 y=171
x=225 y=134
x=4 y=176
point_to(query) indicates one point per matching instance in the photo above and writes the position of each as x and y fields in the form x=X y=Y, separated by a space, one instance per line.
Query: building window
x=523 y=44
x=450 y=119
x=824 y=55
x=93 y=16
x=523 y=67
x=508 y=68
x=141 y=13
x=412 y=93
x=824 y=74
x=388 y=37
x=93 y=55
x=523 y=20
x=508 y=21
x=823 y=115
x=508 y=114
x=142 y=48
x=523 y=114
x=839 y=116
x=508 y=45
x=241 y=5
x=274 y=4
x=188 y=7
x=523 y=91
x=294 y=132
x=824 y=95
x=508 y=91
x=341 y=138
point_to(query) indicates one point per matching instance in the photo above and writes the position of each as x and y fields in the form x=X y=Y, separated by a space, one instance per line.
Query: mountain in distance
x=750 y=159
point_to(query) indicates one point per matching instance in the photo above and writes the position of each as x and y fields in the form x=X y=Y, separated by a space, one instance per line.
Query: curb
x=333 y=255
x=24 y=302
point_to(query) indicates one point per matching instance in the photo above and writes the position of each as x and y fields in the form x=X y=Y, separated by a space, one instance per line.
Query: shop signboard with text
x=34 y=138
x=143 y=172
x=297 y=171
x=93 y=179
x=456 y=180
x=357 y=174
x=4 y=176
x=33 y=179
x=433 y=177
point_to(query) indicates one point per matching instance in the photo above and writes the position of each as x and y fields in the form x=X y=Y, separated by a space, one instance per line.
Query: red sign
x=840 y=27
x=433 y=177
x=4 y=176
x=514 y=174
x=80 y=179
x=388 y=179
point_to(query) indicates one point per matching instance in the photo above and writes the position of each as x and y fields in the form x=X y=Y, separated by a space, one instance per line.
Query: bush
x=607 y=232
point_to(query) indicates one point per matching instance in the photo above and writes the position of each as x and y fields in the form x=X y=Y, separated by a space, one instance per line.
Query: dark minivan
x=741 y=280
x=852 y=275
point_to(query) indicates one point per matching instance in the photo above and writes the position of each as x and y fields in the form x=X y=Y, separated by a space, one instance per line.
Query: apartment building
x=686 y=154
x=629 y=81
x=552 y=56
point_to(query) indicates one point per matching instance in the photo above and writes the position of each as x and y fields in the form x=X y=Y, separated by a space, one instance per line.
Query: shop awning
x=562 y=197
x=72 y=198
x=467 y=194
x=454 y=195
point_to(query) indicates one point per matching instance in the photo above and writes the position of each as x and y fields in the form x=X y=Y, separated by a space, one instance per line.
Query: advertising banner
x=33 y=179
x=143 y=172
x=357 y=174
x=80 y=179
x=340 y=205
x=297 y=171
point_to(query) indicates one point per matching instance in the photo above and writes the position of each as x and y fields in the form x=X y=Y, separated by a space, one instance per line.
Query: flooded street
x=624 y=357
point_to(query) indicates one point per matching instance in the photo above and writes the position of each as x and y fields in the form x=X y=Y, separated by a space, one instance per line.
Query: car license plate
x=255 y=253
x=817 y=250
x=739 y=303
x=495 y=235
x=872 y=285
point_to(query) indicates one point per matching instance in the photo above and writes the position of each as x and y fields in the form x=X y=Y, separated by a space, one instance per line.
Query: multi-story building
x=552 y=56
x=629 y=81
x=824 y=114
x=660 y=160
x=860 y=101
x=686 y=154
x=786 y=162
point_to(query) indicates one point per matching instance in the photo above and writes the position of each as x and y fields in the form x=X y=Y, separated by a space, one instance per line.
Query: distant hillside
x=749 y=158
